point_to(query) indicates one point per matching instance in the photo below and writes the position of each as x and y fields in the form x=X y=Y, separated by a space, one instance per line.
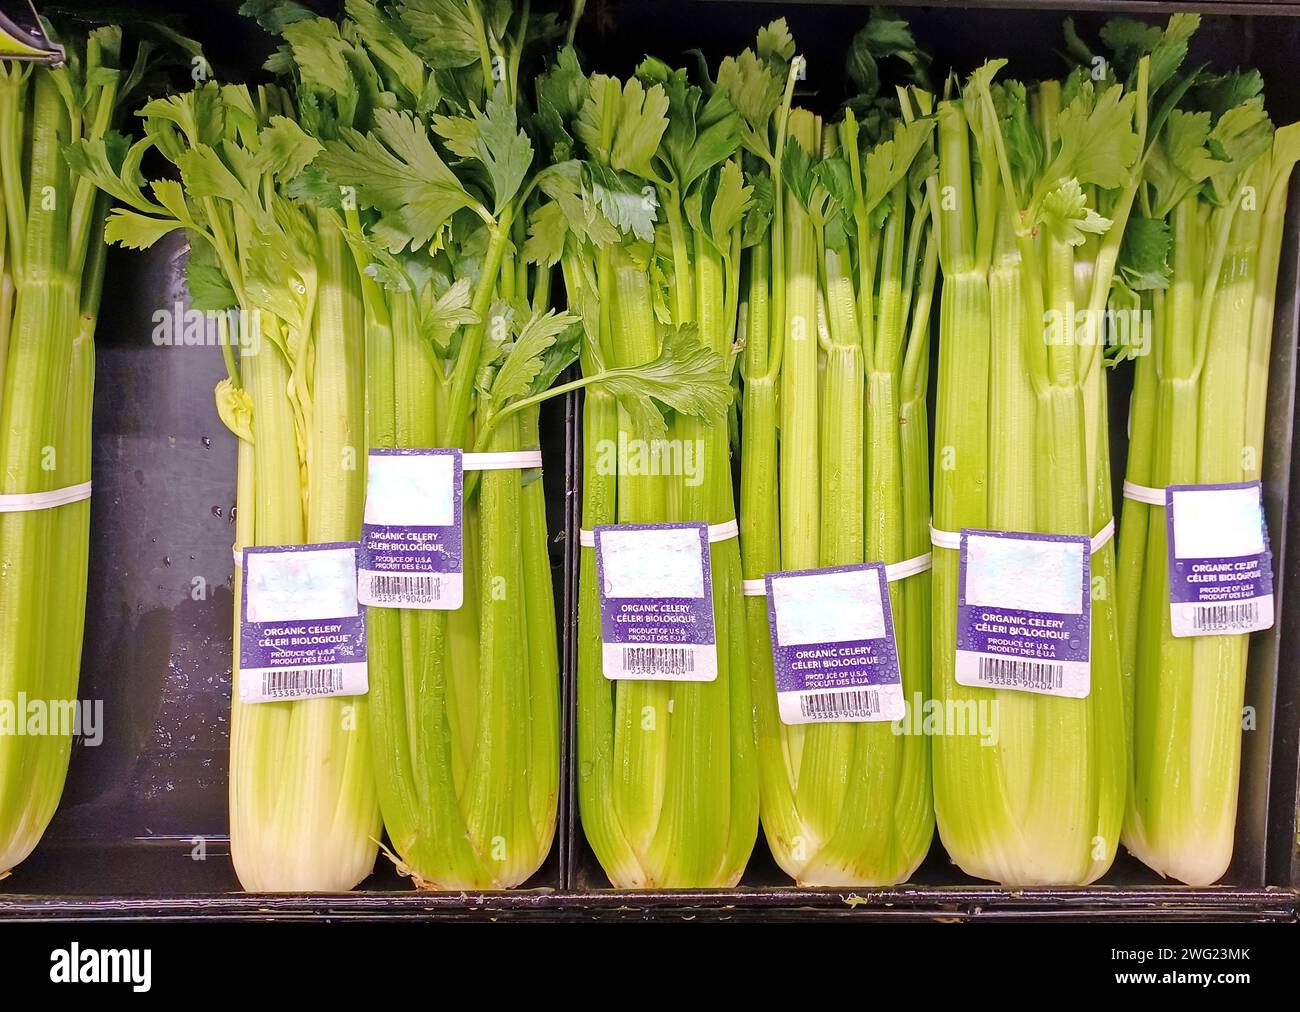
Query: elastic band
x=947 y=539
x=1144 y=493
x=507 y=460
x=893 y=573
x=896 y=571
x=30 y=502
x=239 y=556
x=717 y=532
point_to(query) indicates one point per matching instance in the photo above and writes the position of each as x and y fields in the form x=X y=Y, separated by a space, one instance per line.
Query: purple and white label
x=656 y=602
x=1024 y=612
x=412 y=534
x=302 y=631
x=1220 y=566
x=833 y=646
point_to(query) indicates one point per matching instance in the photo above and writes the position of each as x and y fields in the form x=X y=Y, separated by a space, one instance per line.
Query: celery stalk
x=304 y=815
x=667 y=785
x=51 y=252
x=1043 y=805
x=1213 y=325
x=842 y=478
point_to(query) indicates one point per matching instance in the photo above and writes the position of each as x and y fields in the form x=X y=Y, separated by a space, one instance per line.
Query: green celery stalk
x=51 y=252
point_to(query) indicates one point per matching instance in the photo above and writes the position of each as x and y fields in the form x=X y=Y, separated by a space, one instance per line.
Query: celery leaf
x=1067 y=216
x=1144 y=254
x=443 y=32
x=396 y=171
x=136 y=231
x=686 y=376
x=525 y=359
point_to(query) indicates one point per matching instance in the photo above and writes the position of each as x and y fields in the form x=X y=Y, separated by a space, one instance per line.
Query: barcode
x=295 y=683
x=421 y=589
x=841 y=705
x=658 y=660
x=1021 y=674
x=1220 y=617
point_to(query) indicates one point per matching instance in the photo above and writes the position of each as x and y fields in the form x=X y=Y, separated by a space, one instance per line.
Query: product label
x=302 y=632
x=656 y=602
x=411 y=536
x=833 y=646
x=1220 y=566
x=1024 y=612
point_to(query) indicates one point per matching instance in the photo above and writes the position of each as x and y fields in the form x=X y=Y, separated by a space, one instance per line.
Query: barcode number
x=293 y=683
x=658 y=660
x=840 y=705
x=1003 y=671
x=422 y=589
x=1219 y=617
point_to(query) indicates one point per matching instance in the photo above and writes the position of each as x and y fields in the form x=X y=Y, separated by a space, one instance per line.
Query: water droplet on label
x=216 y=511
x=207 y=442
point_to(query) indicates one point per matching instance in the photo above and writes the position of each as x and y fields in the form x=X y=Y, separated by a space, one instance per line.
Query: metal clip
x=29 y=41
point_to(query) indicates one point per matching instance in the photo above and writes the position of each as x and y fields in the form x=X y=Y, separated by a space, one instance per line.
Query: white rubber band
x=1144 y=493
x=947 y=539
x=893 y=573
x=896 y=571
x=717 y=532
x=239 y=556
x=508 y=460
x=944 y=539
x=30 y=502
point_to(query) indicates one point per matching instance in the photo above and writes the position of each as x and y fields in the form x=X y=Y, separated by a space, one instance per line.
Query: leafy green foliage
x=754 y=83
x=700 y=133
x=561 y=93
x=396 y=171
x=621 y=127
x=1240 y=136
x=686 y=377
x=1066 y=214
x=884 y=36
x=1180 y=159
x=1144 y=254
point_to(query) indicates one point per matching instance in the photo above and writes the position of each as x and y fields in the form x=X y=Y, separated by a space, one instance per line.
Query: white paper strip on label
x=302 y=631
x=656 y=602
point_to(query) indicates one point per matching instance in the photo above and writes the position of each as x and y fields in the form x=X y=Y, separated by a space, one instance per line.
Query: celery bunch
x=52 y=265
x=456 y=222
x=303 y=811
x=667 y=780
x=425 y=157
x=1036 y=186
x=835 y=438
x=1202 y=262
